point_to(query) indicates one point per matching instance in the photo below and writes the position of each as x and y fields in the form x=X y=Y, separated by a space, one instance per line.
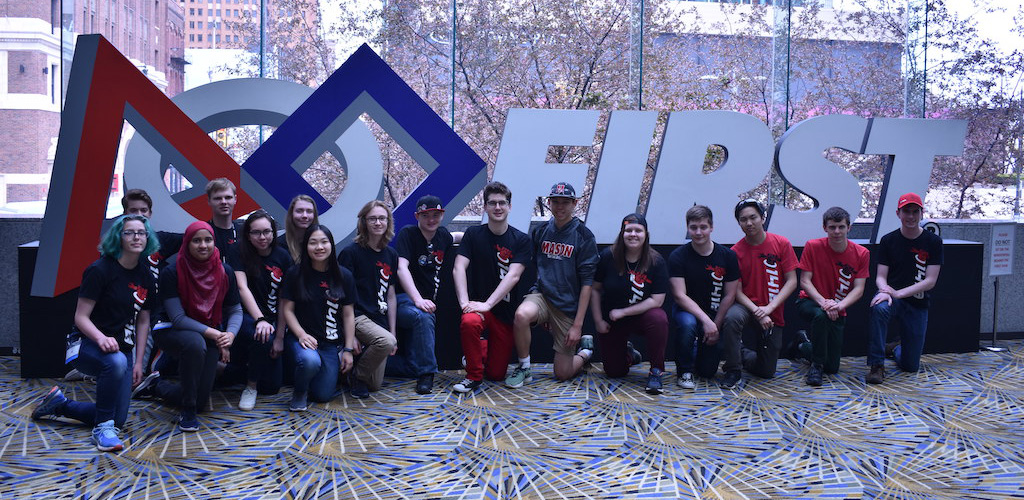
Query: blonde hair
x=292 y=233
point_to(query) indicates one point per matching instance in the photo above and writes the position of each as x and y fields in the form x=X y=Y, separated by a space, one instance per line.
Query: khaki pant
x=558 y=323
x=378 y=344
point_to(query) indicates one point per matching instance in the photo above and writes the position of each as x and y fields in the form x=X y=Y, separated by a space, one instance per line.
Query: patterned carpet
x=951 y=431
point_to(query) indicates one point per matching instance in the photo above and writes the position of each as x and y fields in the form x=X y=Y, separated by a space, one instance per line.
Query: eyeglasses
x=266 y=233
x=133 y=234
x=377 y=220
x=497 y=203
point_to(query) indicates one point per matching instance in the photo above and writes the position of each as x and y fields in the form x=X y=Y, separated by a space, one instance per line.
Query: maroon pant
x=486 y=357
x=652 y=324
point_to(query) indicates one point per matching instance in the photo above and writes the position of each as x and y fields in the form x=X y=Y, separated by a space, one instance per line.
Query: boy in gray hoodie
x=566 y=256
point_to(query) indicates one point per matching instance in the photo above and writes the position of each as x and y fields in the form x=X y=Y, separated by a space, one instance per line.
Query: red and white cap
x=909 y=199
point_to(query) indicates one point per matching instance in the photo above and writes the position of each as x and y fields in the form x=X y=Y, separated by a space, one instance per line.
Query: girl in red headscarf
x=203 y=314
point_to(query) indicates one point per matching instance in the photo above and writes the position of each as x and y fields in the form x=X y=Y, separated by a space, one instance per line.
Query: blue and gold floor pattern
x=954 y=430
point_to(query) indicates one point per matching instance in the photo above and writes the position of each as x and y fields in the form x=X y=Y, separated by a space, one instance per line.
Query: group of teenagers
x=236 y=299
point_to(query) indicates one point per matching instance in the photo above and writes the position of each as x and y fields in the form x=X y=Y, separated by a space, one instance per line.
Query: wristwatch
x=347 y=349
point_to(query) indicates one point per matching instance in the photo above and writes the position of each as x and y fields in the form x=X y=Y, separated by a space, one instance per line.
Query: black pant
x=197 y=365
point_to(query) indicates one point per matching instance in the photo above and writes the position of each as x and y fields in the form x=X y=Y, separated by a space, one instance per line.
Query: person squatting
x=167 y=316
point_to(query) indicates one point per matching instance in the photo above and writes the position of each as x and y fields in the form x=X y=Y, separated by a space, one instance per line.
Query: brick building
x=36 y=47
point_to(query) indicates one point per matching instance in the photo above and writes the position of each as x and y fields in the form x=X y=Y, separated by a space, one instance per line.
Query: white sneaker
x=248 y=399
x=686 y=381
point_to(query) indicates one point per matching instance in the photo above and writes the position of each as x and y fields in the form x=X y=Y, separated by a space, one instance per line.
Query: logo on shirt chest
x=139 y=294
x=382 y=290
x=717 y=284
x=771 y=270
x=276 y=274
x=845 y=275
x=637 y=283
x=557 y=250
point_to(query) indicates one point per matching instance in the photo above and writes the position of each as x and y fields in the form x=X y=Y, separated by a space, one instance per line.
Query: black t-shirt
x=266 y=286
x=490 y=256
x=705 y=277
x=169 y=287
x=909 y=259
x=373 y=272
x=119 y=294
x=425 y=258
x=320 y=317
x=223 y=239
x=620 y=291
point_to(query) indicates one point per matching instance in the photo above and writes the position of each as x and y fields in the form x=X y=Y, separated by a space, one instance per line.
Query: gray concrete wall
x=16 y=230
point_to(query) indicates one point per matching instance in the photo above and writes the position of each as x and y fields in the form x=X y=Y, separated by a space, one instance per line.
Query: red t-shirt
x=763 y=270
x=833 y=272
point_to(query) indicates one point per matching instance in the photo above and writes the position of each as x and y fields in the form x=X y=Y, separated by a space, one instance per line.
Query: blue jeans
x=113 y=372
x=316 y=370
x=415 y=354
x=691 y=349
x=915 y=323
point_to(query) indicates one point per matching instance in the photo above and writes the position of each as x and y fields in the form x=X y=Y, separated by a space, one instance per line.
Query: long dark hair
x=647 y=254
x=251 y=259
x=334 y=276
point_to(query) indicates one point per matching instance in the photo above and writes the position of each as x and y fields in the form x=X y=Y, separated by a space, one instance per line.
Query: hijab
x=202 y=286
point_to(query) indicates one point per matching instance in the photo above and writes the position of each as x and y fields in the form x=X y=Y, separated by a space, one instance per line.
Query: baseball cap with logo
x=909 y=199
x=562 y=190
x=429 y=203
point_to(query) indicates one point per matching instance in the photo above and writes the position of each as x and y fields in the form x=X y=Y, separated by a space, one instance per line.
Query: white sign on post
x=1001 y=253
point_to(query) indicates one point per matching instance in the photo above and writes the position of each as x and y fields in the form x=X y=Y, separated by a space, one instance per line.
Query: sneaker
x=425 y=384
x=146 y=387
x=298 y=402
x=890 y=349
x=50 y=404
x=686 y=381
x=248 y=399
x=801 y=347
x=467 y=385
x=188 y=422
x=876 y=375
x=359 y=389
x=75 y=376
x=654 y=382
x=105 y=437
x=731 y=379
x=814 y=375
x=519 y=377
x=635 y=358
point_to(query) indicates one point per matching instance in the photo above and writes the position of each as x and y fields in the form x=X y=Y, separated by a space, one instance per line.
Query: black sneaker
x=145 y=389
x=425 y=383
x=890 y=349
x=814 y=375
x=654 y=381
x=467 y=385
x=359 y=389
x=298 y=402
x=876 y=375
x=731 y=379
x=188 y=422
